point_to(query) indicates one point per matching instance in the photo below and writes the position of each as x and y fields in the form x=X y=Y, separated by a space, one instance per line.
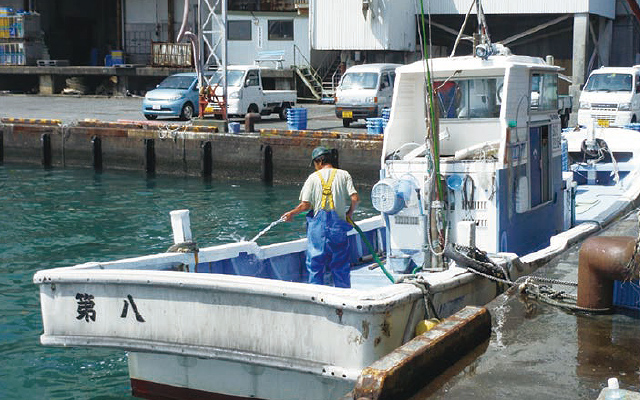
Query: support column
x=605 y=33
x=580 y=41
x=171 y=21
x=47 y=84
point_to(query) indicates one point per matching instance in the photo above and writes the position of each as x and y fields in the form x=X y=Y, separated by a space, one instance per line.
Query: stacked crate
x=20 y=37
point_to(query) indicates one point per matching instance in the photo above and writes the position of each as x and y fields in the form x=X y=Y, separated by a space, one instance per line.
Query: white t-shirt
x=341 y=188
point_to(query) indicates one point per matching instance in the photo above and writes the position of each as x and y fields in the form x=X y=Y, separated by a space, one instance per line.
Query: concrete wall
x=148 y=149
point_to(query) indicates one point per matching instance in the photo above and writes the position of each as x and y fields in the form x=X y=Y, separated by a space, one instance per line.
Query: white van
x=364 y=91
x=611 y=96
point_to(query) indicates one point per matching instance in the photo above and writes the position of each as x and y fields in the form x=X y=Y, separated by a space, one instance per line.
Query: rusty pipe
x=603 y=260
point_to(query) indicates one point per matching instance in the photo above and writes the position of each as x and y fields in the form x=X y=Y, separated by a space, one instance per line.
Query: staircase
x=311 y=79
x=322 y=88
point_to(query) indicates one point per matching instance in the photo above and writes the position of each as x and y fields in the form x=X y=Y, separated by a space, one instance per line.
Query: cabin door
x=539 y=164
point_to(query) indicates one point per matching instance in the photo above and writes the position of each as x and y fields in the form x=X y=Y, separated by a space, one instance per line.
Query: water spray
x=265 y=230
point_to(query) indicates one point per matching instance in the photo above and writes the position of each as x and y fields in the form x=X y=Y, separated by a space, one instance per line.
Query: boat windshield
x=609 y=82
x=234 y=76
x=469 y=98
x=359 y=80
x=177 y=82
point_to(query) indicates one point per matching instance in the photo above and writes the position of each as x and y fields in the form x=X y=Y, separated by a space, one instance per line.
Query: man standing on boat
x=330 y=195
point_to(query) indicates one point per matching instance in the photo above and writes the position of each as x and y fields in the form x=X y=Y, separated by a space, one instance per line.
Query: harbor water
x=62 y=217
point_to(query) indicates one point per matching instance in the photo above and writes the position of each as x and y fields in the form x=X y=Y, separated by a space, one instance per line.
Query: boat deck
x=539 y=351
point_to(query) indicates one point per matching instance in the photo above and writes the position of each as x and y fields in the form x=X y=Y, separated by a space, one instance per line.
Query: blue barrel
x=374 y=126
x=297 y=119
x=234 y=127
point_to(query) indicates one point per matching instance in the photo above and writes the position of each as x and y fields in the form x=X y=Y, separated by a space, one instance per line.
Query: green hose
x=371 y=250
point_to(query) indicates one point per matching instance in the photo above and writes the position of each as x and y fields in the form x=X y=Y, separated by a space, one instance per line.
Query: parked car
x=364 y=91
x=175 y=96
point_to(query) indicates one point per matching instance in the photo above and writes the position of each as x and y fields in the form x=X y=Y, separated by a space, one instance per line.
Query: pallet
x=53 y=63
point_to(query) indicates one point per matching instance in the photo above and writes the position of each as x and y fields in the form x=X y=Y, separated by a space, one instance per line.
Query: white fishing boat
x=238 y=320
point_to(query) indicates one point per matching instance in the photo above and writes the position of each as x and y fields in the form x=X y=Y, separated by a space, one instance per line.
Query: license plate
x=347 y=114
x=156 y=106
x=603 y=123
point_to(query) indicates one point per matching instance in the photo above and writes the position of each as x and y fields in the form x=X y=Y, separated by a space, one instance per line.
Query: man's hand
x=287 y=217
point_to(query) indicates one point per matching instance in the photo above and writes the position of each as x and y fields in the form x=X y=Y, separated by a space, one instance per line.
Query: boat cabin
x=498 y=152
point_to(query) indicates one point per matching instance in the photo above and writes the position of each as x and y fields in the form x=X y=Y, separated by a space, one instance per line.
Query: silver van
x=364 y=91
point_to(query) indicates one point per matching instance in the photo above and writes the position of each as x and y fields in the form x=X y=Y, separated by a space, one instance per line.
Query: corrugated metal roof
x=390 y=24
x=604 y=8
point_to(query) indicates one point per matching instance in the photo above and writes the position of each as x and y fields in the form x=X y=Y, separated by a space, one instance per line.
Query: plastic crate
x=627 y=294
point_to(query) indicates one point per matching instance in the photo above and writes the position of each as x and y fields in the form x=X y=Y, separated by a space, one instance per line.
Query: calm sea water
x=62 y=217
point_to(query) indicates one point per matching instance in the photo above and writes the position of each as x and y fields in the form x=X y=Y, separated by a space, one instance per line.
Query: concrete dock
x=198 y=148
x=538 y=351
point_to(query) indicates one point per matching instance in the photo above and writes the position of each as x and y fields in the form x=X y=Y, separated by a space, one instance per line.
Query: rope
x=186 y=247
x=525 y=284
x=425 y=288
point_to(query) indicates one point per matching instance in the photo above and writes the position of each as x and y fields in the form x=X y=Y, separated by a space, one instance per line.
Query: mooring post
x=46 y=149
x=601 y=261
x=207 y=159
x=96 y=151
x=266 y=163
x=181 y=226
x=249 y=121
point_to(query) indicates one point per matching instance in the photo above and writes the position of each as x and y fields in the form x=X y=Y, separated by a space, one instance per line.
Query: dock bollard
x=602 y=260
x=249 y=121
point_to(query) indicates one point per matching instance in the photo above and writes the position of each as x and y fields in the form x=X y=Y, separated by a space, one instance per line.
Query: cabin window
x=239 y=30
x=253 y=78
x=384 y=81
x=469 y=98
x=544 y=92
x=281 y=30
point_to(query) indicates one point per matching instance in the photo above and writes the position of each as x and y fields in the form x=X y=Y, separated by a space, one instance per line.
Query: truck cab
x=611 y=97
x=364 y=91
x=247 y=92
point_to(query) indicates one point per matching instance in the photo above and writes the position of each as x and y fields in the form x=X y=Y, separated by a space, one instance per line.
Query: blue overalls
x=327 y=244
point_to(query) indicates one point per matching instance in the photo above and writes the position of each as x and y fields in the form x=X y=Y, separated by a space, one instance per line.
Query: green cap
x=319 y=151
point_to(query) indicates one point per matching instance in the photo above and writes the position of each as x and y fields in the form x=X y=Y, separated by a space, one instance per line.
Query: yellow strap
x=326 y=189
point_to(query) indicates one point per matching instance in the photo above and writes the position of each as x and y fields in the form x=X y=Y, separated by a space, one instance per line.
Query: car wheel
x=346 y=122
x=150 y=116
x=283 y=113
x=187 y=112
x=253 y=109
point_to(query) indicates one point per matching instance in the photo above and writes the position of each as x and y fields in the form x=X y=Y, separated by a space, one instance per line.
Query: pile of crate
x=21 y=41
